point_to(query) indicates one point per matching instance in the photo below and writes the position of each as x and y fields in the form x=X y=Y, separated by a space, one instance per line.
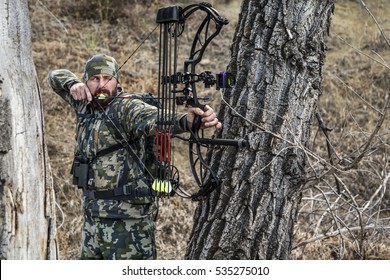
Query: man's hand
x=209 y=118
x=80 y=91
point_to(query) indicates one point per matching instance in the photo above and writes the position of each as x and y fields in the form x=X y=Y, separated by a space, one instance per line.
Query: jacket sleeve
x=139 y=118
x=61 y=81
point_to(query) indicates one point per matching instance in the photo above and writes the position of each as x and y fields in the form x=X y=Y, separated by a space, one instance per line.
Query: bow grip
x=201 y=106
x=197 y=119
x=197 y=122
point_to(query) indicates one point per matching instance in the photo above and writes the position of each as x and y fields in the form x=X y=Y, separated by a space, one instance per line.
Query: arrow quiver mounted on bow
x=179 y=88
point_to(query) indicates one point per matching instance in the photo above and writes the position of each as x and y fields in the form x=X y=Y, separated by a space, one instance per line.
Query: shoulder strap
x=107 y=151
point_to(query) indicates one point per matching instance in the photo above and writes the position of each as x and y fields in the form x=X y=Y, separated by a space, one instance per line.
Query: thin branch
x=363 y=53
x=376 y=22
x=380 y=189
x=373 y=134
x=336 y=233
x=357 y=94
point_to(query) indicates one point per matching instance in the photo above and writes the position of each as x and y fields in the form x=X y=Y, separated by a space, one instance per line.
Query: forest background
x=65 y=33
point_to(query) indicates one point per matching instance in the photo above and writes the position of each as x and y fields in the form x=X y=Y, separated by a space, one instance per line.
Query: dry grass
x=66 y=33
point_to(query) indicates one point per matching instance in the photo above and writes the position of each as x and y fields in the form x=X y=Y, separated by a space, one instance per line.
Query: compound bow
x=172 y=20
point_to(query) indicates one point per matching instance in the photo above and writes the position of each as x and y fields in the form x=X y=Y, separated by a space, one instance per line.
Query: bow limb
x=205 y=177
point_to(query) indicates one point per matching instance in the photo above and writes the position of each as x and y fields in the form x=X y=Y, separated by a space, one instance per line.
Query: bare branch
x=338 y=232
x=376 y=22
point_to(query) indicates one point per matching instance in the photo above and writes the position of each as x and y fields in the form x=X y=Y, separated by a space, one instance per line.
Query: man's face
x=102 y=87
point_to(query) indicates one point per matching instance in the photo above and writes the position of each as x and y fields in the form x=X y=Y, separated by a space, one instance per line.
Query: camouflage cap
x=101 y=64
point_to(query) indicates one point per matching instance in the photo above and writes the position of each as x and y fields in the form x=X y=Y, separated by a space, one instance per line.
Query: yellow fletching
x=162 y=186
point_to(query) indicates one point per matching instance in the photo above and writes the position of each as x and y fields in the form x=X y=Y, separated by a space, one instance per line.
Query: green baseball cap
x=101 y=64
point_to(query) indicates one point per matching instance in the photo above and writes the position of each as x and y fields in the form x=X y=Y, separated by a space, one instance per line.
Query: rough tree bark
x=27 y=216
x=277 y=53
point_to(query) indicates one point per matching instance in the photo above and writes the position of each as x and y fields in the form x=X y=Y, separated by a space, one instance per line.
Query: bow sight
x=221 y=80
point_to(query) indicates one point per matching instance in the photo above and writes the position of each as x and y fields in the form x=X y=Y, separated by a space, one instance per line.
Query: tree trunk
x=277 y=55
x=27 y=216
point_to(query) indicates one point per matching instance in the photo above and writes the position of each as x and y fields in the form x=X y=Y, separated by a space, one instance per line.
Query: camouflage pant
x=118 y=239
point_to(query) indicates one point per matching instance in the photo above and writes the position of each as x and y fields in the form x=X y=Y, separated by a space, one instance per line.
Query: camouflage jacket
x=94 y=133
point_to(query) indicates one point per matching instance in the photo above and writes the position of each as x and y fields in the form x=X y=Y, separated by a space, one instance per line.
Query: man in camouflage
x=118 y=203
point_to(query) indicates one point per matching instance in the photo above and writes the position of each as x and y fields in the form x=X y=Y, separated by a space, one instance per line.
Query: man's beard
x=102 y=98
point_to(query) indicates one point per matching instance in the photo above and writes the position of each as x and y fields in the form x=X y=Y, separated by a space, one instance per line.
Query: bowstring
x=109 y=118
x=139 y=45
x=132 y=54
